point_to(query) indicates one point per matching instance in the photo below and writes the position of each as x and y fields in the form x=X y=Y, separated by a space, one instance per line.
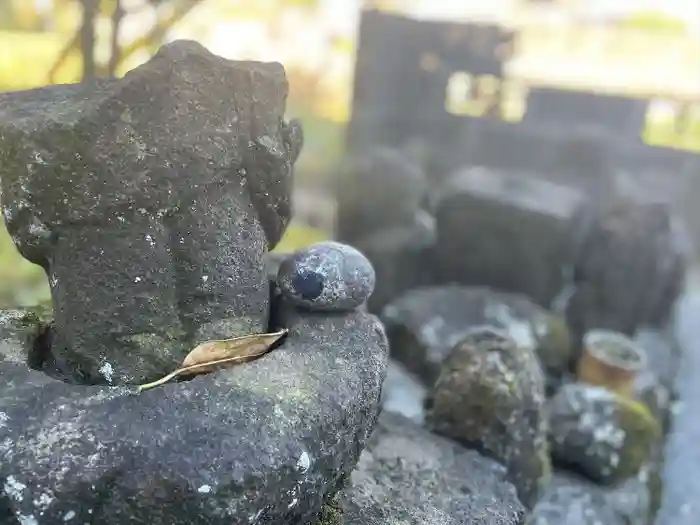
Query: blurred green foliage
x=655 y=22
x=662 y=132
x=21 y=283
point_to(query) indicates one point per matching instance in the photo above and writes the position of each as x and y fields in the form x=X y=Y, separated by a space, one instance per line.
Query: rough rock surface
x=379 y=189
x=606 y=437
x=408 y=475
x=264 y=442
x=326 y=277
x=490 y=395
x=149 y=201
x=424 y=324
x=508 y=232
x=631 y=268
x=573 y=500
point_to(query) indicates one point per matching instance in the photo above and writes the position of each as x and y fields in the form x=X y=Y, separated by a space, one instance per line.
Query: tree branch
x=115 y=57
x=158 y=32
x=71 y=45
x=87 y=38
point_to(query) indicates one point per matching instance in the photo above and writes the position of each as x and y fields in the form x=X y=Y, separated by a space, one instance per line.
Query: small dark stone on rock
x=309 y=285
x=327 y=276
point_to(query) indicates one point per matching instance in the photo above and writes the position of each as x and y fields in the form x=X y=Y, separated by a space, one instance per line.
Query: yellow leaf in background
x=225 y=353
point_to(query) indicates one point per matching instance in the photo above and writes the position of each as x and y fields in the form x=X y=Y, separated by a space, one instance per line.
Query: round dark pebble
x=327 y=276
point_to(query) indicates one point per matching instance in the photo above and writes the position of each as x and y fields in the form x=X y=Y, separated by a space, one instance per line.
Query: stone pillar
x=150 y=202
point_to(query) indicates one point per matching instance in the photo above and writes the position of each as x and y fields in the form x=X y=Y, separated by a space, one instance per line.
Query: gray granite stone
x=326 y=276
x=264 y=442
x=409 y=475
x=573 y=500
x=507 y=231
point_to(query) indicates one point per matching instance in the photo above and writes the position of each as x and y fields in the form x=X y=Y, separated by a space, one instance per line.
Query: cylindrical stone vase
x=611 y=360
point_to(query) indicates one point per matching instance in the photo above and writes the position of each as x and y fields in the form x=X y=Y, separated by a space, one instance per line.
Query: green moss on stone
x=331 y=513
x=38 y=316
x=642 y=430
x=555 y=346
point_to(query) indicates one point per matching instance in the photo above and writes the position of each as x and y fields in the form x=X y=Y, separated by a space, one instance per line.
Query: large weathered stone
x=149 y=201
x=573 y=500
x=264 y=442
x=408 y=475
x=631 y=268
x=506 y=231
x=424 y=324
x=490 y=395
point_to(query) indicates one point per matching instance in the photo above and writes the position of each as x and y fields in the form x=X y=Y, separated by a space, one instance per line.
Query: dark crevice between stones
x=274 y=320
x=41 y=359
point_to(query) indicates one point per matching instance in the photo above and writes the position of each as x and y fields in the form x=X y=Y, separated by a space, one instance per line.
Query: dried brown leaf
x=247 y=345
x=225 y=353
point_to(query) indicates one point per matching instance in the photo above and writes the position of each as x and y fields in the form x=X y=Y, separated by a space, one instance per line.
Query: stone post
x=150 y=201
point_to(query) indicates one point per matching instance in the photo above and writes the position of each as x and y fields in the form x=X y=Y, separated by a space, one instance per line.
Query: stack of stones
x=151 y=202
x=537 y=318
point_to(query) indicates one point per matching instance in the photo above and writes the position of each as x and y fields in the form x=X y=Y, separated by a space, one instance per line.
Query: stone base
x=267 y=441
